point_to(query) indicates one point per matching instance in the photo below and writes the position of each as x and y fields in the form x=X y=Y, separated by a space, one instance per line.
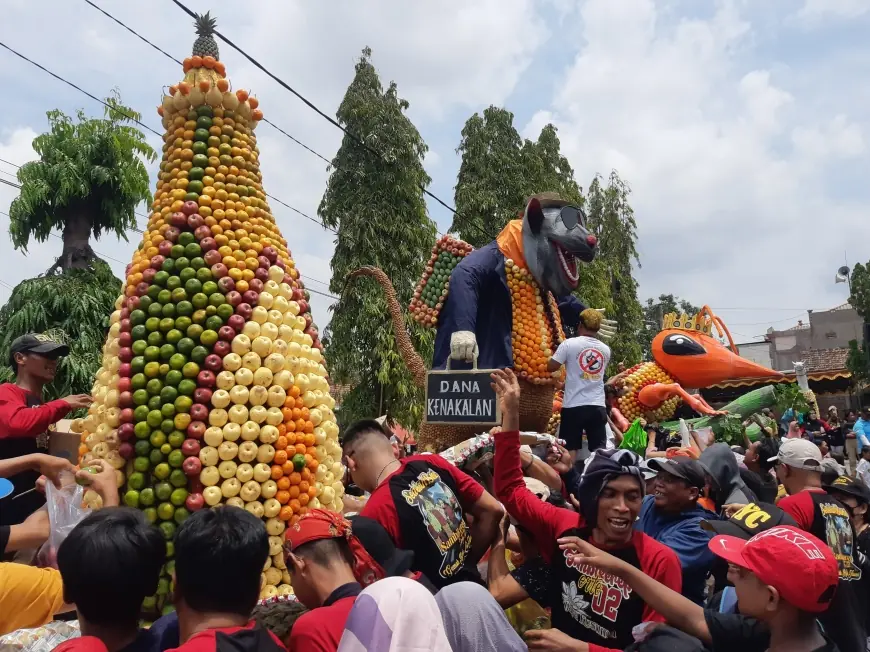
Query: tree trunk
x=77 y=252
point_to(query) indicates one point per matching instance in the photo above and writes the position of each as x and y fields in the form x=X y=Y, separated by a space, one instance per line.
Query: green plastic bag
x=634 y=438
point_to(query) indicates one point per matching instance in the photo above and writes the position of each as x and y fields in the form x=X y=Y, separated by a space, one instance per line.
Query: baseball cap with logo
x=851 y=487
x=750 y=520
x=799 y=454
x=39 y=344
x=798 y=565
x=687 y=469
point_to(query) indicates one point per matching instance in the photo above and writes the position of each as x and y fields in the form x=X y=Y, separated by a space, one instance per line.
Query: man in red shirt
x=24 y=419
x=591 y=610
x=423 y=502
x=799 y=470
x=328 y=566
x=219 y=556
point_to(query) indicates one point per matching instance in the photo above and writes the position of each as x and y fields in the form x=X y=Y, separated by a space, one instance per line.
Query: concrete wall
x=833 y=329
x=786 y=346
x=758 y=352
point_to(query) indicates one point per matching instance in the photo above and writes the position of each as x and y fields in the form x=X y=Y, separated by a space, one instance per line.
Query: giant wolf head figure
x=554 y=239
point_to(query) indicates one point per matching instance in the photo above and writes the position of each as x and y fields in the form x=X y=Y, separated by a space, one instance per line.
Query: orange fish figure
x=686 y=356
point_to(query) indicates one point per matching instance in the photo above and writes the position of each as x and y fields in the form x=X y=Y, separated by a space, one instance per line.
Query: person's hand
x=77 y=401
x=559 y=458
x=732 y=508
x=104 y=482
x=553 y=640
x=579 y=551
x=507 y=387
x=52 y=466
x=574 y=502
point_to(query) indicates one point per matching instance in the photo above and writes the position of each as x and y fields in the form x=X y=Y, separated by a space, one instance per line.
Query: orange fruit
x=287 y=467
x=284 y=483
x=295 y=478
x=277 y=472
x=312 y=492
x=300 y=449
x=286 y=514
x=280 y=456
x=281 y=442
x=294 y=491
x=295 y=505
x=282 y=497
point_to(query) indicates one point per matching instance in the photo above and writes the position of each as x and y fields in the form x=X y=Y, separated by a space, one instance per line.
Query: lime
x=181 y=514
x=174 y=283
x=190 y=370
x=136 y=481
x=186 y=274
x=176 y=458
x=182 y=404
x=164 y=368
x=205 y=109
x=199 y=316
x=154 y=419
x=153 y=291
x=151 y=515
x=137 y=317
x=168 y=266
x=139 y=332
x=176 y=438
x=174 y=336
x=203 y=122
x=167 y=425
x=202 y=135
x=173 y=378
x=208 y=285
x=152 y=353
x=140 y=397
x=152 y=324
x=193 y=250
x=195 y=173
x=139 y=347
x=142 y=447
x=186 y=387
x=182 y=263
x=166 y=351
x=214 y=322
x=168 y=527
x=217 y=299
x=167 y=410
x=167 y=324
x=139 y=381
x=183 y=309
x=156 y=456
x=298 y=461
x=177 y=252
x=137 y=364
x=208 y=338
x=144 y=302
x=168 y=310
x=168 y=394
x=141 y=464
x=154 y=403
x=140 y=413
x=170 y=566
x=161 y=472
x=198 y=299
x=152 y=369
x=166 y=449
x=197 y=263
x=164 y=296
x=157 y=438
x=178 y=497
x=195 y=186
x=178 y=295
x=165 y=510
x=194 y=331
x=185 y=345
x=177 y=361
x=160 y=279
x=146 y=496
x=177 y=478
x=154 y=386
x=199 y=147
x=131 y=499
x=225 y=311
x=163 y=489
x=199 y=354
x=155 y=338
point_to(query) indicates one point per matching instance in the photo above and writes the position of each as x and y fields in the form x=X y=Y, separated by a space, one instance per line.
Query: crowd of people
x=579 y=548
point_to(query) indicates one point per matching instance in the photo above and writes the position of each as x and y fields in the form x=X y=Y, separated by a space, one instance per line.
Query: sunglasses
x=571 y=216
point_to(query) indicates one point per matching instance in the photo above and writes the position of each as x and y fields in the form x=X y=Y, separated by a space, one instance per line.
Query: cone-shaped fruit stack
x=213 y=388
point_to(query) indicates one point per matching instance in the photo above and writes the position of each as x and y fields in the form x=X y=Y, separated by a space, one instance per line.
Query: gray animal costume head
x=554 y=239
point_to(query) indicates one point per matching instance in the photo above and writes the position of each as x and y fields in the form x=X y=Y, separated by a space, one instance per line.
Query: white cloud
x=814 y=10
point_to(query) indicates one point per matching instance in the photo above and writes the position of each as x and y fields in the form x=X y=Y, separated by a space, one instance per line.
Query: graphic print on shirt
x=442 y=515
x=841 y=539
x=591 y=361
x=595 y=591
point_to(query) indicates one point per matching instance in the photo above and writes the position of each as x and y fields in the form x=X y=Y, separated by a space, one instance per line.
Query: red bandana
x=320 y=524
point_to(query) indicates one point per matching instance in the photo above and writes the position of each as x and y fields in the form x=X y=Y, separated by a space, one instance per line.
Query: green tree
x=89 y=178
x=493 y=181
x=653 y=314
x=376 y=204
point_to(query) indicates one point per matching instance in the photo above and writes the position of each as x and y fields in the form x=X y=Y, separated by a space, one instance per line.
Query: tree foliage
x=376 y=204
x=89 y=178
x=654 y=312
x=859 y=286
x=72 y=308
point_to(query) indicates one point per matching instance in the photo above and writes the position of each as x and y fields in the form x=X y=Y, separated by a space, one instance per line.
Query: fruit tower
x=213 y=388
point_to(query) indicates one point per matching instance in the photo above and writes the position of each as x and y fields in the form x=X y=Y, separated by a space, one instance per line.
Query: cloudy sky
x=741 y=126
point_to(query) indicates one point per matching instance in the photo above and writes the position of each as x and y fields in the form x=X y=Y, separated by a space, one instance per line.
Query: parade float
x=498 y=307
x=213 y=389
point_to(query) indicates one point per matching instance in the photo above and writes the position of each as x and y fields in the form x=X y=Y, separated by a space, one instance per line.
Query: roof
x=818 y=360
x=842 y=306
x=798 y=327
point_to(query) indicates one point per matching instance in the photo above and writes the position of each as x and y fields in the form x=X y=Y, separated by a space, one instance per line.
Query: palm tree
x=88 y=180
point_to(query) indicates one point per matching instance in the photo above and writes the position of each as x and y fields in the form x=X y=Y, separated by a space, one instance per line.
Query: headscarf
x=395 y=614
x=474 y=621
x=320 y=524
x=602 y=467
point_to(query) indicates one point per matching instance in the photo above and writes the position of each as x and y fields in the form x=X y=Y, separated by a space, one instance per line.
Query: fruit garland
x=431 y=292
x=635 y=379
x=537 y=331
x=213 y=388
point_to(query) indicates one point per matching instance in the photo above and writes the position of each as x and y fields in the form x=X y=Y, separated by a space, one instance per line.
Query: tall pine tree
x=374 y=200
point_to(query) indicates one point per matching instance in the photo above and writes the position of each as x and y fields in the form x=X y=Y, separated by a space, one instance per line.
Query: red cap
x=797 y=564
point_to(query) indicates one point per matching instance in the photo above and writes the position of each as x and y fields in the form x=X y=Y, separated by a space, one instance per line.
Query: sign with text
x=461 y=397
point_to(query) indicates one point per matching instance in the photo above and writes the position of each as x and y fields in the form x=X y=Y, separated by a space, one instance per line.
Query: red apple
x=202 y=395
x=142 y=289
x=190 y=447
x=165 y=247
x=245 y=310
x=205 y=378
x=297 y=294
x=125 y=313
x=191 y=466
x=215 y=362
x=308 y=319
x=132 y=302
x=280 y=263
x=250 y=297
x=195 y=430
x=127 y=415
x=271 y=253
x=189 y=207
x=158 y=260
x=125 y=354
x=236 y=322
x=303 y=306
x=125 y=339
x=195 y=221
x=261 y=274
x=178 y=220
x=208 y=244
x=219 y=270
x=311 y=331
x=202 y=232
x=198 y=411
x=221 y=348
x=126 y=432
x=125 y=399
x=265 y=263
x=225 y=283
x=125 y=325
x=194 y=502
x=256 y=285
x=172 y=234
x=126 y=450
x=226 y=333
x=124 y=384
x=195 y=486
x=148 y=274
x=212 y=257
x=127 y=270
x=234 y=298
x=125 y=371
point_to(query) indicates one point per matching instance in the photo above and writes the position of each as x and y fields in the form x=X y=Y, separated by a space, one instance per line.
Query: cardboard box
x=63 y=443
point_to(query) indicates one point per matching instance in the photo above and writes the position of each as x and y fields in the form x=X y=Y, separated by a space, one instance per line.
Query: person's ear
x=694 y=493
x=297 y=563
x=773 y=599
x=20 y=358
x=350 y=463
x=395 y=447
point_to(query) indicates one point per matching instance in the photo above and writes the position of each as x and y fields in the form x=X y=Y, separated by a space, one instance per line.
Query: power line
x=9 y=163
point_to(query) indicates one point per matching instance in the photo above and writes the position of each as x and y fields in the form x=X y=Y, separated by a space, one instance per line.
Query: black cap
x=377 y=542
x=685 y=468
x=750 y=520
x=851 y=487
x=39 y=344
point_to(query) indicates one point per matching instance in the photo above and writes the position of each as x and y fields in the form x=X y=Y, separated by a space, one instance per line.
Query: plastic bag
x=65 y=511
x=634 y=438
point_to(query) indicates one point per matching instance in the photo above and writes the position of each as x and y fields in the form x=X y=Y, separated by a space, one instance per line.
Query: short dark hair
x=109 y=563
x=359 y=429
x=231 y=542
x=865 y=450
x=278 y=617
x=326 y=552
x=768 y=447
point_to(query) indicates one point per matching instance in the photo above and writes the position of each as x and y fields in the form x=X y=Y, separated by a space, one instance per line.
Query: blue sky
x=741 y=126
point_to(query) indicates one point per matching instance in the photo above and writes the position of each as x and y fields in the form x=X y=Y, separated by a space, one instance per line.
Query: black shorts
x=589 y=418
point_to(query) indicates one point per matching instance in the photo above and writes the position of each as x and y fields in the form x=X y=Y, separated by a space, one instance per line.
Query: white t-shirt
x=864 y=472
x=585 y=360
